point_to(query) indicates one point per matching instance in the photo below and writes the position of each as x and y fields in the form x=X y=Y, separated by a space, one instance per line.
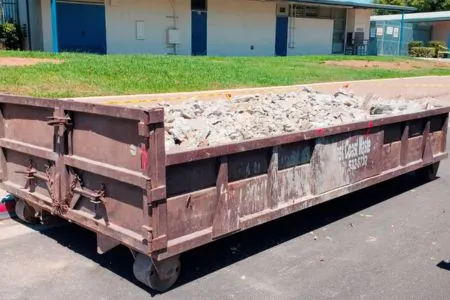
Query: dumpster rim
x=176 y=157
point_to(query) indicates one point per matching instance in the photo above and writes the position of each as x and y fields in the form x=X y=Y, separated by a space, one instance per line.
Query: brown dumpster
x=106 y=169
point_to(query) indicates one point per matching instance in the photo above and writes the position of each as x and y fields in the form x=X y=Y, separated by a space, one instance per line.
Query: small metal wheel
x=158 y=275
x=428 y=173
x=25 y=212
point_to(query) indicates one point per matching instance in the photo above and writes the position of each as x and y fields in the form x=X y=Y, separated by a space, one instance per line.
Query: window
x=311 y=12
x=198 y=5
x=302 y=11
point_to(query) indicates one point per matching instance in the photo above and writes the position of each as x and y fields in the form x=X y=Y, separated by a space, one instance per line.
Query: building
x=198 y=27
x=425 y=27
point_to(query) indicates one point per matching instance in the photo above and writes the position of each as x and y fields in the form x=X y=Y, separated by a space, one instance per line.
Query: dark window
x=198 y=5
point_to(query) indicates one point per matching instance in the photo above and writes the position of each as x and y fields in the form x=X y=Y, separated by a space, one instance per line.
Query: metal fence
x=9 y=11
x=385 y=37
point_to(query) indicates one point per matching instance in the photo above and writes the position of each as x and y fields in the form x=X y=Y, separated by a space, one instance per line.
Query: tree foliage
x=421 y=5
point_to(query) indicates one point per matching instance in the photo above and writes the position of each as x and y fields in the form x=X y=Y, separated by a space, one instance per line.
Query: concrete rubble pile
x=195 y=123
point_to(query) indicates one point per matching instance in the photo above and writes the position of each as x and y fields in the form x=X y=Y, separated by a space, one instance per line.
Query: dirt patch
x=22 y=61
x=390 y=65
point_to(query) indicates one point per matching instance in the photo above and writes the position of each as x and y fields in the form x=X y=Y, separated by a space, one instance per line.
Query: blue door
x=81 y=27
x=281 y=36
x=199 y=32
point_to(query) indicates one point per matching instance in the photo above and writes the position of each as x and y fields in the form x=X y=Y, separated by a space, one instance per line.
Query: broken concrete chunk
x=381 y=109
x=196 y=123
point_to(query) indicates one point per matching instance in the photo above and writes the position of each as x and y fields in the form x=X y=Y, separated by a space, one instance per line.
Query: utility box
x=174 y=36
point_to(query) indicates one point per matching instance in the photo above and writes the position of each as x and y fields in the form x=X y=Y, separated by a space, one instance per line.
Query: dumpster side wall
x=215 y=196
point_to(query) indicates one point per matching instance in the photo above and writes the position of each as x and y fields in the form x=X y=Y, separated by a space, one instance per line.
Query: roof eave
x=353 y=4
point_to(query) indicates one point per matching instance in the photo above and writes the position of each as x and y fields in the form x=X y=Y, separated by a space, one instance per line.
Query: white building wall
x=362 y=21
x=359 y=20
x=310 y=36
x=46 y=25
x=121 y=17
x=36 y=25
x=234 y=26
x=350 y=20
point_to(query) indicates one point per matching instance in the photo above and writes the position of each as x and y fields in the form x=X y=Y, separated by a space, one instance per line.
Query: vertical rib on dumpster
x=226 y=215
x=3 y=172
x=404 y=151
x=427 y=152
x=155 y=167
x=61 y=178
x=272 y=182
x=444 y=133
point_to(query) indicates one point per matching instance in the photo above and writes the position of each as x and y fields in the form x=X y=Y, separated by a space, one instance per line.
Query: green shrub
x=413 y=44
x=439 y=46
x=10 y=36
x=423 y=52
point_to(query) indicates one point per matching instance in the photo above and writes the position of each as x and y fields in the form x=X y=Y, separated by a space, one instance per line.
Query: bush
x=423 y=52
x=438 y=46
x=10 y=36
x=413 y=44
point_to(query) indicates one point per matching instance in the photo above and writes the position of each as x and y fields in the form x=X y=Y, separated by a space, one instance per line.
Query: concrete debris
x=366 y=216
x=196 y=123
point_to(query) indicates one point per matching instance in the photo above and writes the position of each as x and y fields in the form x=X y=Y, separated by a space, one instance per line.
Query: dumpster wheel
x=428 y=173
x=158 y=275
x=25 y=212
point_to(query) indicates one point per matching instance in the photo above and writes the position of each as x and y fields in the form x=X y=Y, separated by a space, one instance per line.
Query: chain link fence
x=385 y=37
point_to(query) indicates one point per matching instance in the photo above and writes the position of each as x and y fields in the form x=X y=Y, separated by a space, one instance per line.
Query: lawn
x=90 y=75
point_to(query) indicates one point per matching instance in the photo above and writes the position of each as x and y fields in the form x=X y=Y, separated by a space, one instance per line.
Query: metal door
x=199 y=32
x=81 y=27
x=281 y=36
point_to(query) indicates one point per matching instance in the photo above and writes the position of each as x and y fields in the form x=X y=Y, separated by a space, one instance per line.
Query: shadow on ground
x=215 y=256
x=445 y=264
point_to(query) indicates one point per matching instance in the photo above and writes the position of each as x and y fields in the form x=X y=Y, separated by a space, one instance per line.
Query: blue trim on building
x=54 y=21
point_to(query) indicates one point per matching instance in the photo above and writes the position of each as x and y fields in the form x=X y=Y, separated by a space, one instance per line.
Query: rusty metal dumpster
x=106 y=169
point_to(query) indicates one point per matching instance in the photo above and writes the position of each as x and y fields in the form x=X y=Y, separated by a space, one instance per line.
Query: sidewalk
x=437 y=87
x=410 y=88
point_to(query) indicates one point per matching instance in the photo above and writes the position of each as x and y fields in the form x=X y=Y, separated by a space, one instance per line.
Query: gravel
x=196 y=123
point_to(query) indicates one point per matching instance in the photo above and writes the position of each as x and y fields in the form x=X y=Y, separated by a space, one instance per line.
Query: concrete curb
x=111 y=100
